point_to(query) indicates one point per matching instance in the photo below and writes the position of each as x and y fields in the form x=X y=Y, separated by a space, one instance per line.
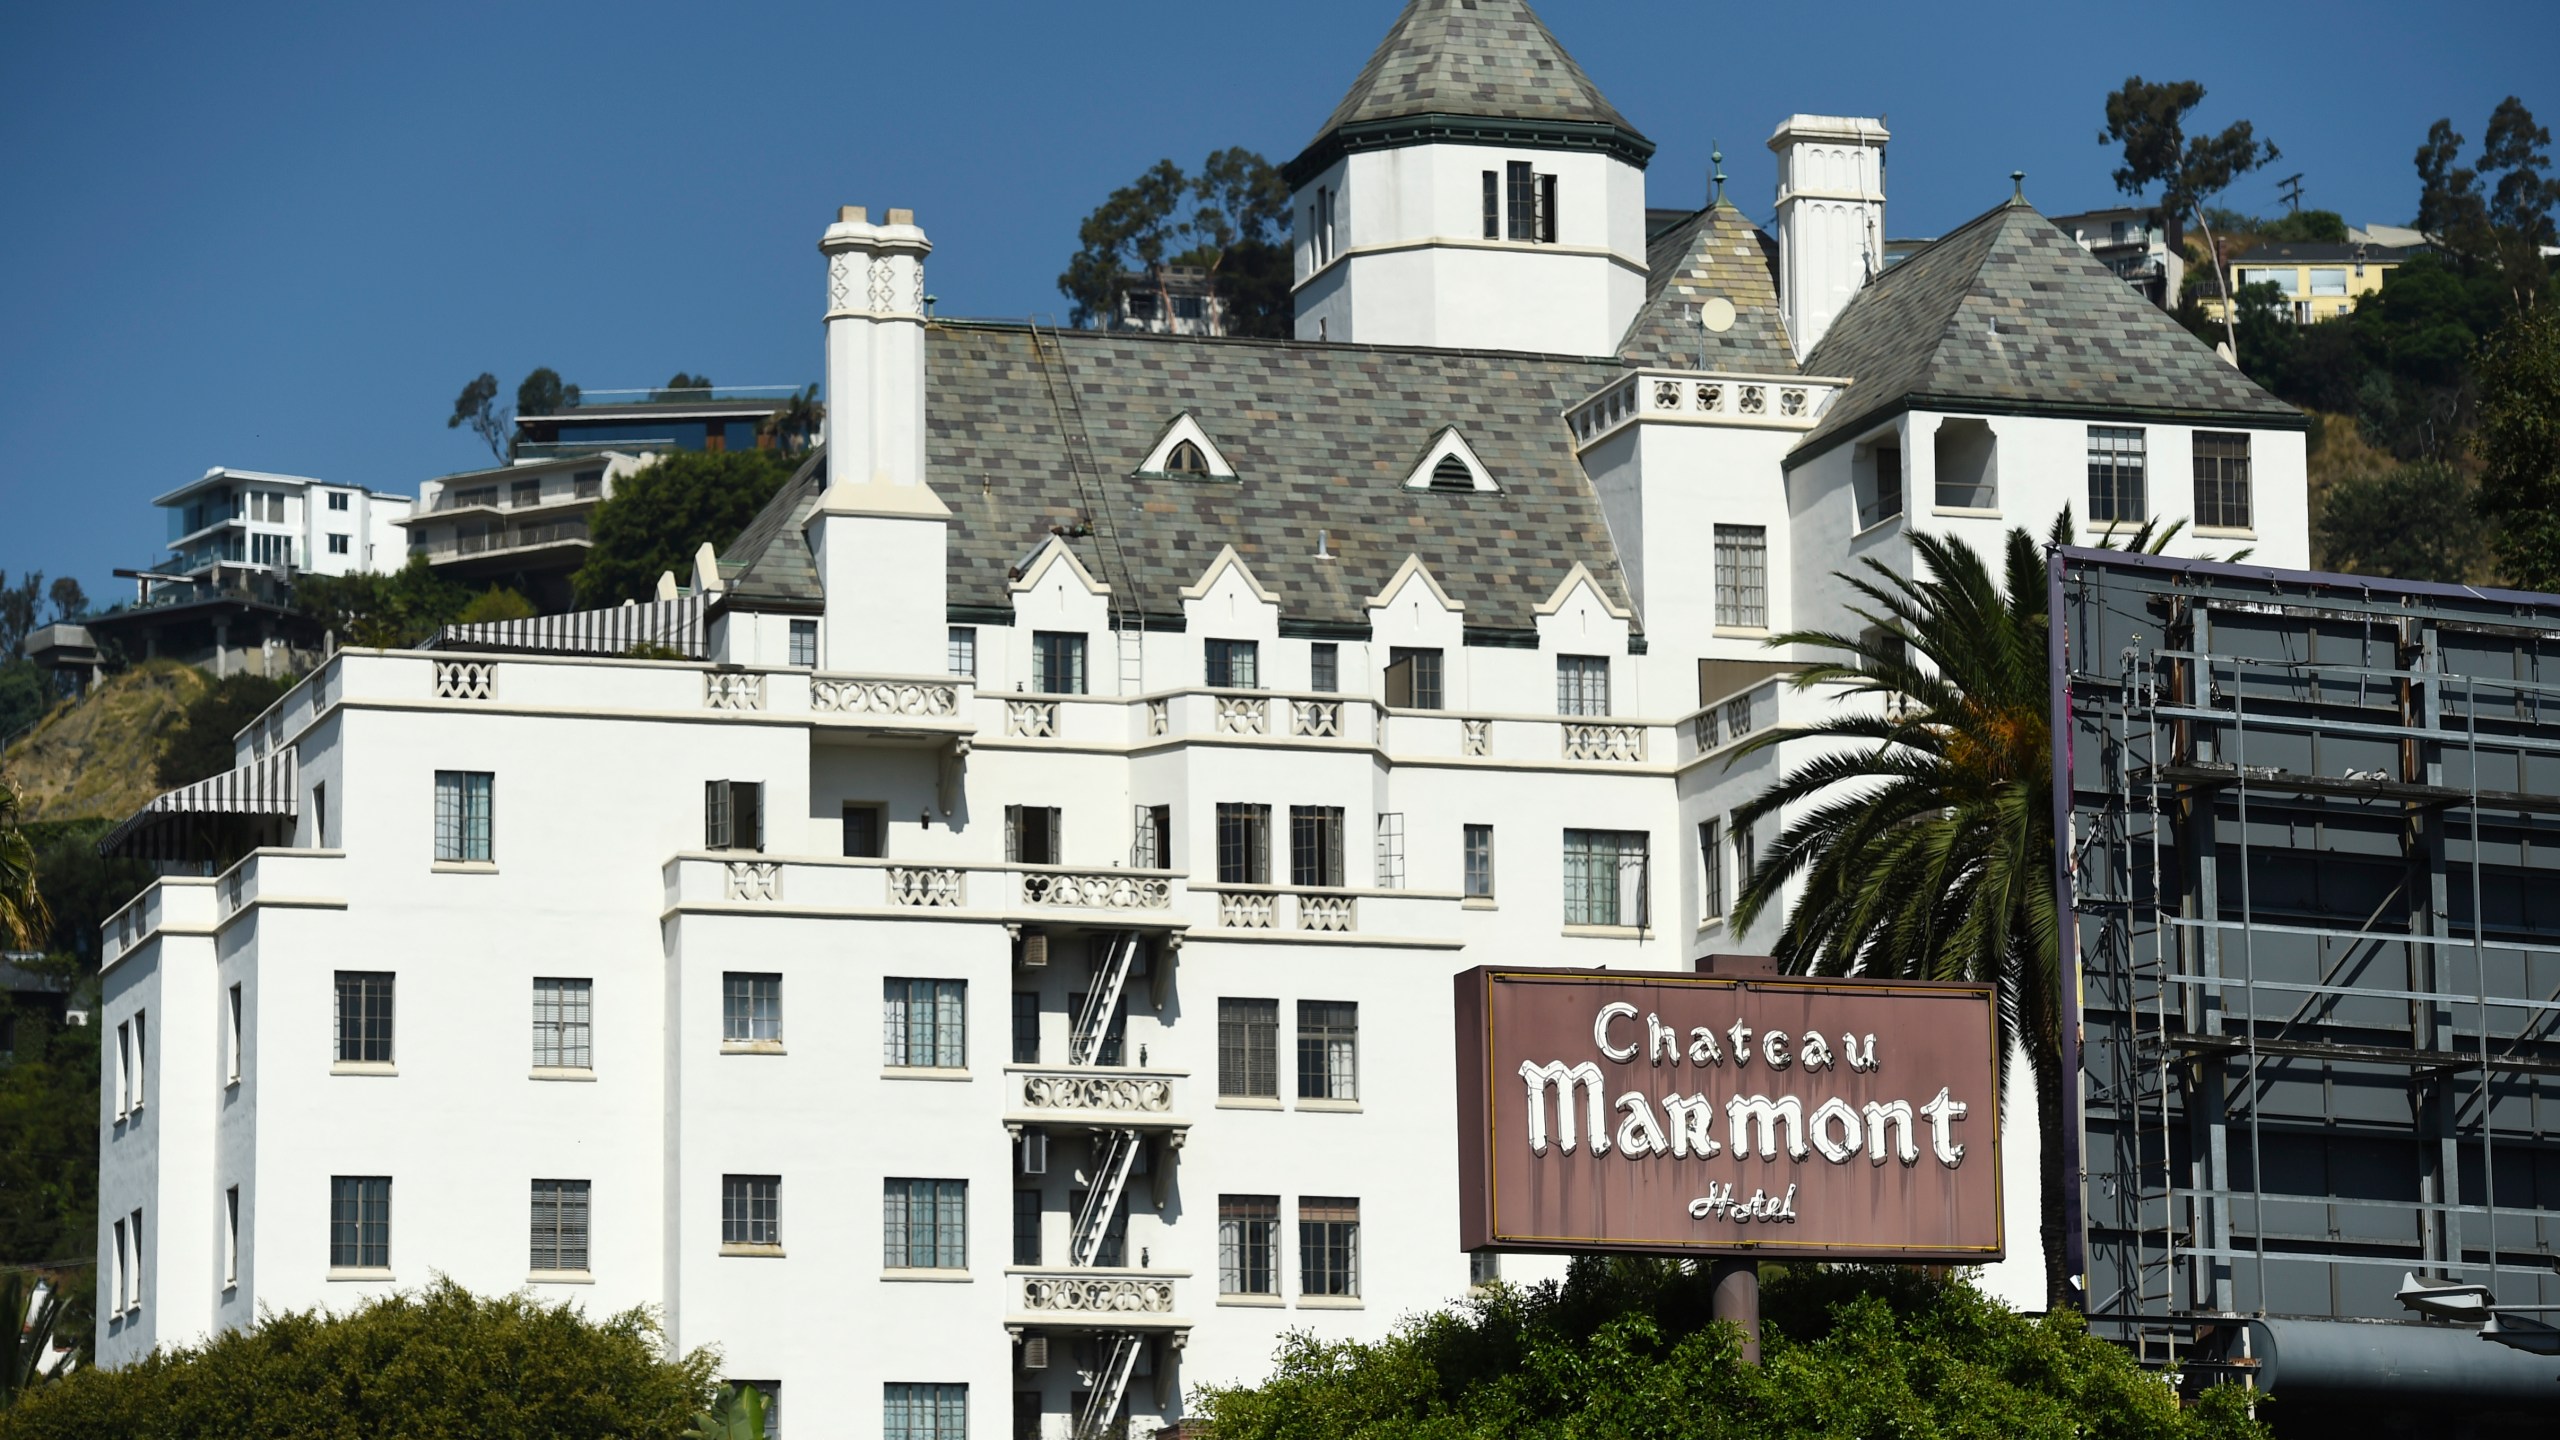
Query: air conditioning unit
x=1035 y=1152
x=1035 y=1351
x=1035 y=949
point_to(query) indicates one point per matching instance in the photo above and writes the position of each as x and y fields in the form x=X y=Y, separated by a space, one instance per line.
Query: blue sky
x=282 y=237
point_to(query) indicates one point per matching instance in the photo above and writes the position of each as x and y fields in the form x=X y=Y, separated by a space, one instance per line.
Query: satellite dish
x=1716 y=313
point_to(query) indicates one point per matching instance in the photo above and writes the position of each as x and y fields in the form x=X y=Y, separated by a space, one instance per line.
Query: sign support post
x=1737 y=1298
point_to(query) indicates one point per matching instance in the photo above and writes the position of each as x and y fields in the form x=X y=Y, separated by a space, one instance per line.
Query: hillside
x=95 y=758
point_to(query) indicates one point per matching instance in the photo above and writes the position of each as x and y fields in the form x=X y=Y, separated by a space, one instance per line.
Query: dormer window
x=1450 y=466
x=1185 y=451
x=1186 y=459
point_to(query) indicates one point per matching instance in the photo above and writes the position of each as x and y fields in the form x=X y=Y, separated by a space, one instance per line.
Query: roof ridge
x=1478 y=59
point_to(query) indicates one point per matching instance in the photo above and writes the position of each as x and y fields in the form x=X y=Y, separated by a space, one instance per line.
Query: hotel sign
x=1784 y=1115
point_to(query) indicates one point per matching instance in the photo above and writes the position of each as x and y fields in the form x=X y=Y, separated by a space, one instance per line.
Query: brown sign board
x=1610 y=1110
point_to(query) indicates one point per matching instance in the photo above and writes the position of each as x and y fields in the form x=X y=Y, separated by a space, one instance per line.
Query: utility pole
x=2290 y=192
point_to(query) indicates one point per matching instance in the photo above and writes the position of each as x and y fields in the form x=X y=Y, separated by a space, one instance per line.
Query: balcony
x=1096 y=1097
x=1690 y=397
x=1097 y=1298
x=1051 y=897
x=518 y=537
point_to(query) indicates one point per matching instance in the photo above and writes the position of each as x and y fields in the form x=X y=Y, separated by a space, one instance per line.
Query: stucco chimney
x=1830 y=218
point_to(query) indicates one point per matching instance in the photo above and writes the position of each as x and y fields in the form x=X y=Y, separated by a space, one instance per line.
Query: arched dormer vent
x=1452 y=474
x=1450 y=466
x=1185 y=452
x=1186 y=459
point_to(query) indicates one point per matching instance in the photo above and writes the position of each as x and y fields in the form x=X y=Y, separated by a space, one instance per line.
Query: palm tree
x=24 y=921
x=796 y=423
x=1923 y=836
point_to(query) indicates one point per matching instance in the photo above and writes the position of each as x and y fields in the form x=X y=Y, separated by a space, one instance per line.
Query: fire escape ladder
x=1102 y=1001
x=1115 y=1155
x=1110 y=1383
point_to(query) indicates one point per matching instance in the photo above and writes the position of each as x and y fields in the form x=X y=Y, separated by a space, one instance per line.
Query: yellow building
x=2319 y=280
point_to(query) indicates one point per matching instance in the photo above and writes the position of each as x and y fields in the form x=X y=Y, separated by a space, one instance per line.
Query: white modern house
x=1000 y=978
x=282 y=525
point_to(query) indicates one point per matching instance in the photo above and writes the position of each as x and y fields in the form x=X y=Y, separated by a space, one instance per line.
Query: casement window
x=924 y=1023
x=231 y=1237
x=1742 y=576
x=2222 y=480
x=320 y=814
x=1328 y=1245
x=1249 y=1048
x=563 y=1022
x=560 y=1225
x=1151 y=842
x=1057 y=662
x=364 y=1017
x=1532 y=198
x=337 y=499
x=732 y=815
x=961 y=655
x=923 y=1412
x=1604 y=877
x=804 y=644
x=231 y=1052
x=1414 y=679
x=750 y=1008
x=141 y=1059
x=1328 y=1050
x=865 y=828
x=1746 y=855
x=1031 y=835
x=1249 y=1243
x=359 y=1222
x=924 y=1224
x=123 y=1272
x=751 y=1210
x=1582 y=684
x=1324 y=667
x=1391 y=851
x=1244 y=844
x=462 y=814
x=337 y=544
x=1479 y=862
x=1493 y=204
x=1026 y=1226
x=2116 y=490
x=1115 y=1035
x=1710 y=872
x=1315 y=845
x=133 y=1296
x=1233 y=664
x=1026 y=1027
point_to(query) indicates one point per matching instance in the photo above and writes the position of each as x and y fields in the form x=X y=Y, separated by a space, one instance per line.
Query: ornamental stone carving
x=1318 y=718
x=884 y=697
x=1081 y=1294
x=840 y=281
x=1246 y=912
x=1243 y=715
x=1604 y=742
x=1114 y=1094
x=1755 y=400
x=466 y=679
x=723 y=690
x=880 y=287
x=1159 y=717
x=1737 y=716
x=1098 y=890
x=1329 y=913
x=754 y=880
x=932 y=887
x=1475 y=737
x=1031 y=719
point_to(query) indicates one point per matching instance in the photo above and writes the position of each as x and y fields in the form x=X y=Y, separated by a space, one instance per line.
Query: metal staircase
x=1115 y=1154
x=1092 y=491
x=1102 y=999
x=1110 y=1383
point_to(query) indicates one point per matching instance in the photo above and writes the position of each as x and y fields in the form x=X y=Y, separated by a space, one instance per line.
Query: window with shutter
x=560 y=1225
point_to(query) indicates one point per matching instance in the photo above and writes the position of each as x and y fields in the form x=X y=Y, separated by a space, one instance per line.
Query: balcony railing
x=1097 y=1298
x=1106 y=1097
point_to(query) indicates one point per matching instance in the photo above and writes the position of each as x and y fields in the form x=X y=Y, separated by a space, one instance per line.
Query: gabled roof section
x=2008 y=315
x=1030 y=569
x=1186 y=427
x=1716 y=253
x=770 y=562
x=1480 y=69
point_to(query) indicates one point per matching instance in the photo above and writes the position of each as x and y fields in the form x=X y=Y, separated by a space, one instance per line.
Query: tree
x=477 y=407
x=390 y=612
x=23 y=917
x=793 y=427
x=2519 y=445
x=1231 y=220
x=2317 y=227
x=495 y=603
x=20 y=605
x=660 y=515
x=70 y=602
x=542 y=393
x=681 y=386
x=738 y=1414
x=200 y=745
x=1627 y=1348
x=2496 y=214
x=27 y=1323
x=2417 y=522
x=2148 y=122
x=438 y=1362
x=49 y=1163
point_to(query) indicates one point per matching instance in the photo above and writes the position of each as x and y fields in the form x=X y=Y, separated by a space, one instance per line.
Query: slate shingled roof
x=1714 y=252
x=2008 y=313
x=1322 y=437
x=1486 y=59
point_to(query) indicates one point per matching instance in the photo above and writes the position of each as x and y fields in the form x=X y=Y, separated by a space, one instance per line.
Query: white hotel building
x=1004 y=980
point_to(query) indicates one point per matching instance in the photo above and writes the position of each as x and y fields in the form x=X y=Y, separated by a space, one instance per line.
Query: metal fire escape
x=1115 y=1156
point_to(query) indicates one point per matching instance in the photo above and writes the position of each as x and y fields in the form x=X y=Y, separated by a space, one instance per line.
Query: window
x=750 y=1008
x=1026 y=1027
x=2222 y=480
x=1604 y=877
x=1057 y=662
x=560 y=1225
x=924 y=1412
x=1151 y=845
x=1413 y=679
x=1031 y=834
x=1115 y=1036
x=1582 y=684
x=924 y=1023
x=925 y=1224
x=2329 y=280
x=1188 y=307
x=364 y=1017
x=232 y=1053
x=863 y=825
x=133 y=1300
x=1186 y=458
x=1484 y=1267
x=1523 y=200
x=141 y=1059
x=337 y=544
x=1328 y=1050
x=1391 y=851
x=124 y=1068
x=320 y=815
x=1244 y=844
x=1249 y=1048
x=1249 y=1240
x=804 y=644
x=1234 y=664
x=1493 y=204
x=359 y=1222
x=1315 y=845
x=587 y=485
x=462 y=815
x=751 y=1210
x=963 y=652
x=1742 y=576
x=563 y=1023
x=1968 y=465
x=1328 y=1245
x=1479 y=862
x=524 y=492
x=122 y=1279
x=1710 y=873
x=1746 y=854
x=337 y=499
x=732 y=815
x=231 y=1237
x=1026 y=1226
x=1880 y=497
x=2115 y=474
x=1324 y=667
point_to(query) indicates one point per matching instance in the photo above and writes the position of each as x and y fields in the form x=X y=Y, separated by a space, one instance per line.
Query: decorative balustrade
x=1603 y=742
x=1685 y=397
x=1106 y=1297
x=754 y=880
x=1243 y=715
x=1101 y=889
x=732 y=690
x=931 y=887
x=1334 y=914
x=1320 y=719
x=921 y=698
x=466 y=679
x=1159 y=717
x=1031 y=719
x=1737 y=717
x=1475 y=737
x=1247 y=911
x=1081 y=1094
